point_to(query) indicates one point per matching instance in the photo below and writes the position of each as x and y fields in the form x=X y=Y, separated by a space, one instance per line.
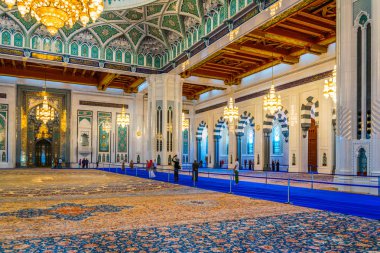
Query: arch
x=233 y=7
x=306 y=114
x=46 y=44
x=208 y=25
x=218 y=134
x=94 y=52
x=221 y=123
x=149 y=60
x=202 y=143
x=200 y=128
x=128 y=57
x=282 y=117
x=35 y=42
x=6 y=38
x=157 y=61
x=119 y=56
x=74 y=49
x=362 y=166
x=244 y=120
x=215 y=19
x=222 y=15
x=58 y=46
x=109 y=54
x=241 y=4
x=18 y=40
x=141 y=60
x=84 y=50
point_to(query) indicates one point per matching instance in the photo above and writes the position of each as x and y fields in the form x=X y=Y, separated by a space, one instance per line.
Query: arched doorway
x=223 y=148
x=43 y=153
x=312 y=147
x=204 y=148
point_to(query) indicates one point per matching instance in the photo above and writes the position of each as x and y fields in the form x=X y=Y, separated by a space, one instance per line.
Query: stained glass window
x=18 y=40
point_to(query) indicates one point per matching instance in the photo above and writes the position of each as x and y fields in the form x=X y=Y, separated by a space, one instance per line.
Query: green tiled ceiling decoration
x=154 y=29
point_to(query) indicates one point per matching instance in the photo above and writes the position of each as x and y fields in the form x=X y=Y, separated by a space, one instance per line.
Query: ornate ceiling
x=151 y=28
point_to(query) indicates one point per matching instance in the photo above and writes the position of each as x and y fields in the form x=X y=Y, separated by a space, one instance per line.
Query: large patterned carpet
x=94 y=211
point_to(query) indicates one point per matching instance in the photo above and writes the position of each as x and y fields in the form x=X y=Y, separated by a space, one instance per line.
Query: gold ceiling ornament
x=45 y=112
x=329 y=88
x=106 y=126
x=231 y=112
x=55 y=14
x=123 y=118
x=272 y=102
x=185 y=122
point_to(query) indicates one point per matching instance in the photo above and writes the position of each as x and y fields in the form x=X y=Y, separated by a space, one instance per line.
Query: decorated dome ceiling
x=150 y=28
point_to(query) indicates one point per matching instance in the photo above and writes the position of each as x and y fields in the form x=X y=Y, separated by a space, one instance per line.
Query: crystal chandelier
x=231 y=112
x=329 y=88
x=185 y=122
x=54 y=14
x=272 y=102
x=107 y=126
x=123 y=118
x=45 y=112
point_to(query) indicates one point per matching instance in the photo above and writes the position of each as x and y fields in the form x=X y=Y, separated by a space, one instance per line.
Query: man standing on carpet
x=175 y=160
x=236 y=171
x=195 y=171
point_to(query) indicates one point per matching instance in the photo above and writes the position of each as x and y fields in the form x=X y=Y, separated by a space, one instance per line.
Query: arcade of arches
x=296 y=49
x=154 y=79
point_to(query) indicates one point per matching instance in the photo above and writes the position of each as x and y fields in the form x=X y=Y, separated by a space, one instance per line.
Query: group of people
x=83 y=163
x=57 y=163
x=275 y=165
x=250 y=164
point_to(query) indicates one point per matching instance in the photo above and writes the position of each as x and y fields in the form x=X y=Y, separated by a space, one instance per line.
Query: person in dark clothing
x=83 y=163
x=195 y=171
x=97 y=164
x=86 y=163
x=278 y=165
x=273 y=166
x=250 y=164
x=245 y=163
x=175 y=160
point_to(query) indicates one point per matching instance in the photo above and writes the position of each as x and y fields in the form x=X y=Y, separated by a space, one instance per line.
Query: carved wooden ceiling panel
x=306 y=28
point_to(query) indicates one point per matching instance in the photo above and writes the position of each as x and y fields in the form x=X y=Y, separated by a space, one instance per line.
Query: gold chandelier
x=123 y=118
x=185 y=122
x=272 y=102
x=231 y=112
x=329 y=88
x=45 y=112
x=107 y=126
x=54 y=14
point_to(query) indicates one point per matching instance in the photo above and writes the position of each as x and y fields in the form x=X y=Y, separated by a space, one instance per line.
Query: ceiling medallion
x=54 y=14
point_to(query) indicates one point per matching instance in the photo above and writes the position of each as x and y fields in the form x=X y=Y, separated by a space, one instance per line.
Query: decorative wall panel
x=3 y=133
x=85 y=119
x=104 y=137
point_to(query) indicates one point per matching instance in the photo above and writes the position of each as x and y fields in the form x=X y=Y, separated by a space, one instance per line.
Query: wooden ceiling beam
x=224 y=66
x=222 y=69
x=307 y=23
x=133 y=87
x=317 y=18
x=301 y=29
x=260 y=68
x=105 y=79
x=242 y=58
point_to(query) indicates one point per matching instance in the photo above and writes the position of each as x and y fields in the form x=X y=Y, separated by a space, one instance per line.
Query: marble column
x=165 y=91
x=231 y=145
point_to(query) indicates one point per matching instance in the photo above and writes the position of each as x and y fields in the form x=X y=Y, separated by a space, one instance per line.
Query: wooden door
x=313 y=146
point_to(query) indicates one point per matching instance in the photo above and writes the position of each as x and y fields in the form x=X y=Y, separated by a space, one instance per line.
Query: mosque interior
x=284 y=91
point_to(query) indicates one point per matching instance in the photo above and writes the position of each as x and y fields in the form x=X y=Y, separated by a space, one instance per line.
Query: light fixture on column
x=54 y=14
x=45 y=112
x=272 y=102
x=231 y=112
x=329 y=88
x=123 y=118
x=107 y=127
x=185 y=122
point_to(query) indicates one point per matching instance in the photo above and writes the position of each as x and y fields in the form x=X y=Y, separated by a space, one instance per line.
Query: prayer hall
x=189 y=126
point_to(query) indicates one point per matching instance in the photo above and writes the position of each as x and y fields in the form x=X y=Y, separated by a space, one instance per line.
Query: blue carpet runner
x=367 y=206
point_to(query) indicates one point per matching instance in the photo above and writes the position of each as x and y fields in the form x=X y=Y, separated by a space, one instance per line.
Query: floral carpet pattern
x=66 y=211
x=154 y=216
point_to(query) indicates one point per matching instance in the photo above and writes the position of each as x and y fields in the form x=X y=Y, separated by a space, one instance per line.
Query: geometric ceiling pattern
x=153 y=27
x=308 y=28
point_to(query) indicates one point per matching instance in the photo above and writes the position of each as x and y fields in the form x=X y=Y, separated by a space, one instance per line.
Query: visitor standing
x=175 y=160
x=83 y=163
x=87 y=163
x=131 y=164
x=273 y=166
x=250 y=164
x=236 y=171
x=151 y=172
x=97 y=164
x=278 y=165
x=123 y=166
x=195 y=171
x=245 y=163
x=60 y=163
x=80 y=162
